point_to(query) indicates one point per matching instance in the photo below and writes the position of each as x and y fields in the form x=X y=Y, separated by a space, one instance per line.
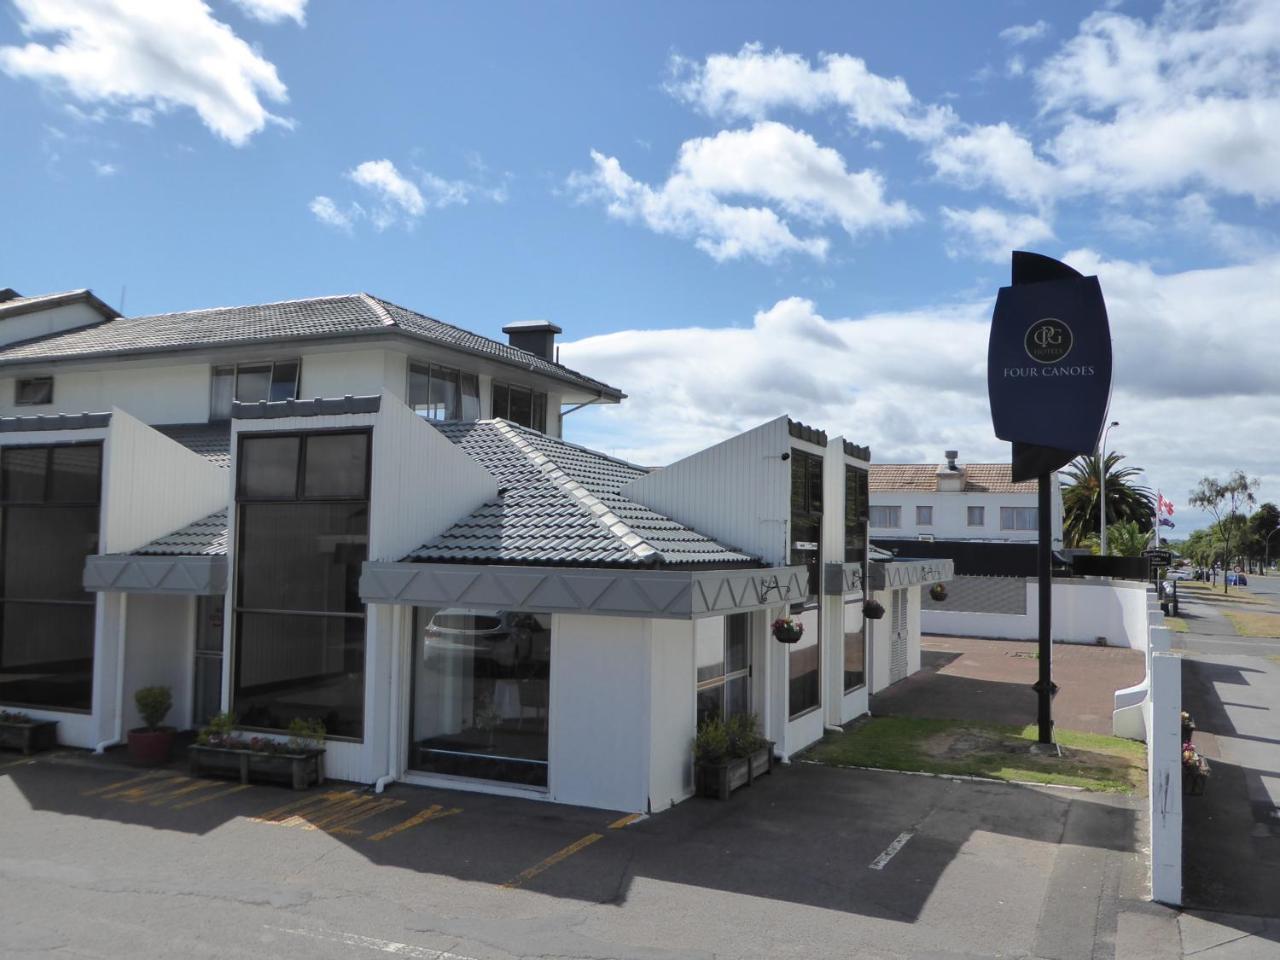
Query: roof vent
x=951 y=456
x=8 y=293
x=533 y=336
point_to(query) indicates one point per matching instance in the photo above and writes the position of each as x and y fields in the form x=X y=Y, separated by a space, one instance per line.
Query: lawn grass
x=1176 y=624
x=1250 y=624
x=1199 y=590
x=1090 y=760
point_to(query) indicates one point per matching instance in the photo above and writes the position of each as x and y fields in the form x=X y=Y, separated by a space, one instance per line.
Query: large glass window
x=302 y=535
x=803 y=668
x=886 y=518
x=855 y=514
x=271 y=380
x=1019 y=518
x=806 y=513
x=480 y=686
x=49 y=515
x=855 y=647
x=521 y=405
x=443 y=393
x=722 y=648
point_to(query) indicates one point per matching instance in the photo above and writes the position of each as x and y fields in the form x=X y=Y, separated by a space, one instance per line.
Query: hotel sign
x=1049 y=363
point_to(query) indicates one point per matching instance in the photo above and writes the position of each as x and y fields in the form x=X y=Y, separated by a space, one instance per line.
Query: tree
x=1125 y=539
x=1224 y=500
x=1126 y=500
x=1262 y=528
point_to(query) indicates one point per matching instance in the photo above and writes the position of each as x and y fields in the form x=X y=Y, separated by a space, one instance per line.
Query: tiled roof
x=13 y=304
x=211 y=440
x=346 y=315
x=204 y=538
x=979 y=478
x=559 y=504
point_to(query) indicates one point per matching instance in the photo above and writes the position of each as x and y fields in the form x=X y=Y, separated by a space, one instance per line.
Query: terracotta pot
x=150 y=748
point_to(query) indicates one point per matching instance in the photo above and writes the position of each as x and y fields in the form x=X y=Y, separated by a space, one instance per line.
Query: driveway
x=810 y=862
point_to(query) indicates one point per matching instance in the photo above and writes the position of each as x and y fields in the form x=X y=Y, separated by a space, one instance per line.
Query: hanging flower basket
x=786 y=630
x=938 y=592
x=873 y=609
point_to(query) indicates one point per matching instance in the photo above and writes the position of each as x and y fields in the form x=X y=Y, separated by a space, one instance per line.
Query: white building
x=957 y=501
x=414 y=557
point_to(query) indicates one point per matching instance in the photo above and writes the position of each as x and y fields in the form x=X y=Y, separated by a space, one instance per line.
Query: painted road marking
x=293 y=813
x=555 y=858
x=145 y=791
x=373 y=943
x=342 y=821
x=433 y=812
x=628 y=820
x=211 y=796
x=183 y=791
x=891 y=851
x=121 y=783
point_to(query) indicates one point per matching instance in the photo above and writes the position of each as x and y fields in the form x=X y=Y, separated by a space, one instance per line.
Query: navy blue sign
x=1049 y=363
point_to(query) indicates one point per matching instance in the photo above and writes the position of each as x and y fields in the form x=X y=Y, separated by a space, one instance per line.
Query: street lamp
x=1102 y=488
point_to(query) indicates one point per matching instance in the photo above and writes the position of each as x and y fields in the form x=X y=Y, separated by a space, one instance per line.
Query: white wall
x=737 y=491
x=152 y=485
x=1164 y=777
x=880 y=637
x=951 y=518
x=599 y=712
x=175 y=392
x=354 y=372
x=1083 y=610
x=38 y=323
x=159 y=650
x=672 y=713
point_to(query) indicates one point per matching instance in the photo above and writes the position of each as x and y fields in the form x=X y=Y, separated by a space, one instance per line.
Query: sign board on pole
x=1158 y=558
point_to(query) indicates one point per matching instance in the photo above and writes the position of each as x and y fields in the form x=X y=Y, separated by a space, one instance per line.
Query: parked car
x=1236 y=579
x=1179 y=574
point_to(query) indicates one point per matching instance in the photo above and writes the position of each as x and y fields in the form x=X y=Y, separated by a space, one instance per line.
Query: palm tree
x=1126 y=500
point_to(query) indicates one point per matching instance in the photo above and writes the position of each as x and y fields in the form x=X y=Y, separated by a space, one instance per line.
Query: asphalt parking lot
x=106 y=861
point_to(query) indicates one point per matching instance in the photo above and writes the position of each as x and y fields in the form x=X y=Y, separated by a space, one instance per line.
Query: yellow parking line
x=626 y=821
x=342 y=826
x=433 y=812
x=292 y=810
x=555 y=858
x=330 y=813
x=211 y=796
x=121 y=783
x=164 y=798
x=145 y=791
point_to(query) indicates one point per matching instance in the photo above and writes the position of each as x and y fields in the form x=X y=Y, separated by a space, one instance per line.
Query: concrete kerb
x=962 y=777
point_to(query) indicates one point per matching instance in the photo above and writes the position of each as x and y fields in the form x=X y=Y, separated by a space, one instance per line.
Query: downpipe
x=393 y=746
x=119 y=737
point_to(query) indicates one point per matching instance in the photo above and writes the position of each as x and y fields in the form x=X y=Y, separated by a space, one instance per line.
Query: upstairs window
x=33 y=392
x=1019 y=518
x=521 y=405
x=855 y=513
x=443 y=393
x=270 y=380
x=886 y=517
x=924 y=516
x=977 y=516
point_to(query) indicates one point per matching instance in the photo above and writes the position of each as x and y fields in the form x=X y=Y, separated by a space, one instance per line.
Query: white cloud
x=785 y=169
x=1025 y=33
x=753 y=83
x=991 y=234
x=400 y=198
x=395 y=195
x=912 y=384
x=273 y=11
x=997 y=155
x=104 y=169
x=328 y=212
x=159 y=56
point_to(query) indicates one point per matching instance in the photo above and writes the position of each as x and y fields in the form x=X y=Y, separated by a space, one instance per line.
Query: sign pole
x=1045 y=687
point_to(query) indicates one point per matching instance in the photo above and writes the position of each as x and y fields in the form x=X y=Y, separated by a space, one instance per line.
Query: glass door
x=479 y=695
x=208 y=681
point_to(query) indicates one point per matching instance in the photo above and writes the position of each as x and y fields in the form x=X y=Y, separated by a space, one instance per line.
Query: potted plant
x=151 y=745
x=786 y=630
x=298 y=761
x=1195 y=770
x=938 y=592
x=1188 y=727
x=873 y=609
x=729 y=754
x=19 y=731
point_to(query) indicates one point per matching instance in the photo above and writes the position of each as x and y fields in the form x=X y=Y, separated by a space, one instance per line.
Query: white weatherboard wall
x=738 y=491
x=951 y=515
x=672 y=713
x=1083 y=610
x=39 y=323
x=152 y=485
x=159 y=650
x=1164 y=777
x=598 y=742
x=353 y=372
x=154 y=393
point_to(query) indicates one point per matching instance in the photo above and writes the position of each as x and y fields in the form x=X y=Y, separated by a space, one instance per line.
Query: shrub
x=743 y=733
x=219 y=731
x=711 y=745
x=154 y=703
x=306 y=734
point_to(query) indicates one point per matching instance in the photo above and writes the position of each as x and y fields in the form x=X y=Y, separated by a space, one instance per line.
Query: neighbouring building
x=337 y=508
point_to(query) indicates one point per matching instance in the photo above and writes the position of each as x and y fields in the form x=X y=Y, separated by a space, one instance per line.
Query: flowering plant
x=786 y=630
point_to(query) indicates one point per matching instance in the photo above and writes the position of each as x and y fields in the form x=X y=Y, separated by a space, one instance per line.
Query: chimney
x=533 y=336
x=951 y=477
x=951 y=459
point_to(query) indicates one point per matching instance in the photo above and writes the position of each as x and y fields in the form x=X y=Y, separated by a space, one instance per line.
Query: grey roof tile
x=211 y=440
x=345 y=315
x=206 y=537
x=561 y=504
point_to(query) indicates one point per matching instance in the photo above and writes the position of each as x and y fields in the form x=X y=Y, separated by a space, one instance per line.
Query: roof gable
x=923 y=478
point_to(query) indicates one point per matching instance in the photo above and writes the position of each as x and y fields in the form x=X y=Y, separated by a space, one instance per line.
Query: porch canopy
x=191 y=561
x=890 y=574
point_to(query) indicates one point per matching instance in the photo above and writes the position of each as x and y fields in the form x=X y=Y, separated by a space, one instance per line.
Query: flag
x=1166 y=522
x=1163 y=505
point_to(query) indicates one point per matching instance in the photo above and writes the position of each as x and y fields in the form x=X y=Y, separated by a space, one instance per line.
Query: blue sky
x=733 y=210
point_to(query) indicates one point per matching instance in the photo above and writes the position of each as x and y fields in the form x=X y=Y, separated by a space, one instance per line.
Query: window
x=479 y=701
x=442 y=393
x=1019 y=518
x=251 y=383
x=722 y=646
x=302 y=535
x=855 y=514
x=520 y=405
x=977 y=516
x=49 y=513
x=855 y=647
x=890 y=517
x=33 y=392
x=806 y=513
x=924 y=516
x=803 y=672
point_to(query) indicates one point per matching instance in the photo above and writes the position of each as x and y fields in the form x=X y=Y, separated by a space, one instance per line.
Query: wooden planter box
x=29 y=737
x=720 y=780
x=300 y=770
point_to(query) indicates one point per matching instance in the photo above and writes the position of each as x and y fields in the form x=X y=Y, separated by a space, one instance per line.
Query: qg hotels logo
x=1048 y=340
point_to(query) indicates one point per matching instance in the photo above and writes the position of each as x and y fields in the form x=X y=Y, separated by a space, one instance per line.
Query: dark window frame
x=856 y=509
x=28 y=382
x=727 y=673
x=427 y=368
x=538 y=402
x=220 y=369
x=298 y=497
